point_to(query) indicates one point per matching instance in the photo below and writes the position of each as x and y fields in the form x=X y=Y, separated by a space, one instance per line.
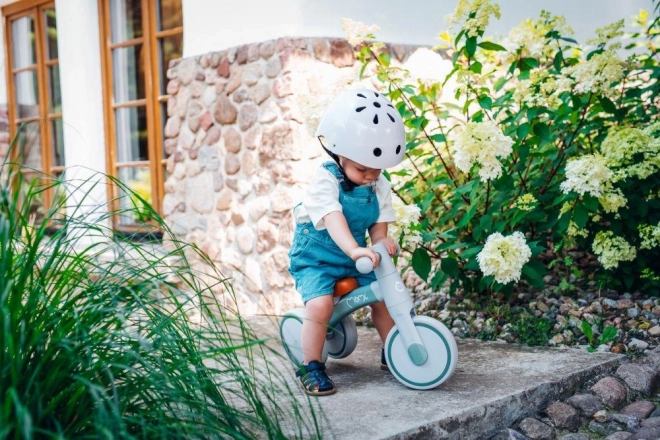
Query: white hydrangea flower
x=611 y=250
x=357 y=32
x=526 y=202
x=612 y=200
x=631 y=152
x=406 y=217
x=482 y=143
x=504 y=257
x=588 y=174
x=607 y=33
x=428 y=66
x=594 y=75
x=483 y=9
x=650 y=236
x=574 y=231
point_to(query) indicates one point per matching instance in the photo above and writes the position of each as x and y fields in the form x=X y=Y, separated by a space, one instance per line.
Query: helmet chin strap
x=346 y=183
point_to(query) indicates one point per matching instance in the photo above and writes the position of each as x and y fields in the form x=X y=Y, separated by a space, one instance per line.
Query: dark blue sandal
x=383 y=361
x=314 y=380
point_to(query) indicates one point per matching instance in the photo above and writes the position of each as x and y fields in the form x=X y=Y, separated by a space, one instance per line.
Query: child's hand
x=365 y=252
x=390 y=245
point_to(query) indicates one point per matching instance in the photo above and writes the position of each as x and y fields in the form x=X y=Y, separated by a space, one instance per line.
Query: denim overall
x=316 y=262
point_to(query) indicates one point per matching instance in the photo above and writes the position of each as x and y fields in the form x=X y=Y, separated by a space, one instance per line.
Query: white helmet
x=363 y=126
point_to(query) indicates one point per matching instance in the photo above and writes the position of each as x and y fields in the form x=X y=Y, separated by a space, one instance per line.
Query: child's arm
x=337 y=227
x=378 y=234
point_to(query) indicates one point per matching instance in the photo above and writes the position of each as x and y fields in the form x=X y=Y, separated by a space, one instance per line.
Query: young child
x=363 y=132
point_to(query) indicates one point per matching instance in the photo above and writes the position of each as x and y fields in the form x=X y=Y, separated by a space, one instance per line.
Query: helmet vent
x=361 y=95
x=391 y=117
x=376 y=94
x=359 y=109
x=377 y=152
x=375 y=119
x=398 y=149
x=390 y=105
x=377 y=104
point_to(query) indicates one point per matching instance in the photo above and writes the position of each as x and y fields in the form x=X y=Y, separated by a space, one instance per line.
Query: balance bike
x=420 y=351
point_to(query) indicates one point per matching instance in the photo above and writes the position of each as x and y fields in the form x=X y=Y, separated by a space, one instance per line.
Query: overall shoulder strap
x=344 y=183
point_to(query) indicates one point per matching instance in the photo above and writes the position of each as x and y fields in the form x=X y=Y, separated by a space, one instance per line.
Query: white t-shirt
x=322 y=198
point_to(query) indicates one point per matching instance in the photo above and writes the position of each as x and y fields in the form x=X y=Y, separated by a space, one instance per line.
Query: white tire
x=290 y=332
x=343 y=339
x=442 y=355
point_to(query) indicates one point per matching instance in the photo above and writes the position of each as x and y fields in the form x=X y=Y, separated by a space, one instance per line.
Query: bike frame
x=390 y=289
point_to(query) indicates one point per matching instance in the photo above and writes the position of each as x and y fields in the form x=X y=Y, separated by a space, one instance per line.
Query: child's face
x=358 y=174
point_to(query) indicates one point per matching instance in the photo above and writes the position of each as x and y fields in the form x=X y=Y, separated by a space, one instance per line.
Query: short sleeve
x=321 y=197
x=384 y=195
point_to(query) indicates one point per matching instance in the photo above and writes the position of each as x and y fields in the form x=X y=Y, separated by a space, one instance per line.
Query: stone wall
x=240 y=150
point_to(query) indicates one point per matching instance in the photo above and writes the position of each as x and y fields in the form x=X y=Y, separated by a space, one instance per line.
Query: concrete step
x=494 y=385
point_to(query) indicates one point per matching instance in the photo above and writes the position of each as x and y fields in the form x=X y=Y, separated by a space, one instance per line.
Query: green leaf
x=558 y=61
x=485 y=102
x=588 y=331
x=450 y=267
x=488 y=45
x=384 y=59
x=608 y=334
x=476 y=67
x=607 y=104
x=533 y=273
x=580 y=215
x=421 y=263
x=438 y=138
x=523 y=130
x=471 y=46
x=542 y=131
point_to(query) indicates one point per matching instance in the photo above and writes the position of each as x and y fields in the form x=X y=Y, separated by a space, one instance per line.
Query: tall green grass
x=103 y=337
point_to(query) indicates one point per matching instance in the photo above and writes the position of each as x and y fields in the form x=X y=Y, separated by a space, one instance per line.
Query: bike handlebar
x=364 y=265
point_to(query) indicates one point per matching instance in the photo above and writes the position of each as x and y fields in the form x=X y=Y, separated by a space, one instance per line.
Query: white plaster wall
x=212 y=25
x=3 y=57
x=82 y=102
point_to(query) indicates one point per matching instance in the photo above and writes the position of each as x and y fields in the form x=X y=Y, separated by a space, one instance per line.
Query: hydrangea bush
x=527 y=147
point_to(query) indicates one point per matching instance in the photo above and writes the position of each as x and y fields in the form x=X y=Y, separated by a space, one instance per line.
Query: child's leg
x=313 y=377
x=382 y=319
x=315 y=326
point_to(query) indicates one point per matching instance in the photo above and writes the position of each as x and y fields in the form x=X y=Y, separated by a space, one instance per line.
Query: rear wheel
x=342 y=339
x=290 y=332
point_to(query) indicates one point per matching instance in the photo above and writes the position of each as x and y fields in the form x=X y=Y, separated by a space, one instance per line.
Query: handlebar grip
x=364 y=265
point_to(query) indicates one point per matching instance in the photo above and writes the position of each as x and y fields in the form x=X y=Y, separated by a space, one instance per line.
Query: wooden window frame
x=152 y=102
x=11 y=13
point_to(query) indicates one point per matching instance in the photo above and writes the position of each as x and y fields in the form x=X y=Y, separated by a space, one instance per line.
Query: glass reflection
x=125 y=20
x=26 y=93
x=23 y=46
x=131 y=134
x=170 y=14
x=128 y=73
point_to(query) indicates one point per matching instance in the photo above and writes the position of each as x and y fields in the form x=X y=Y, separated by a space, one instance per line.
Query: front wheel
x=442 y=355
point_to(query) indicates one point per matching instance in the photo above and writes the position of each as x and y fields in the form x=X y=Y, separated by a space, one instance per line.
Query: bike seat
x=344 y=286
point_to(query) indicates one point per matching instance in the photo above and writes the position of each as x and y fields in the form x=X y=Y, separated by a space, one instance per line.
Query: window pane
x=131 y=134
x=169 y=48
x=28 y=138
x=54 y=89
x=57 y=142
x=26 y=94
x=51 y=33
x=125 y=20
x=59 y=199
x=23 y=47
x=128 y=73
x=132 y=209
x=170 y=14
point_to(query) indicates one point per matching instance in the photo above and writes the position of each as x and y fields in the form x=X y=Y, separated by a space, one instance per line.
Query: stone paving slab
x=494 y=385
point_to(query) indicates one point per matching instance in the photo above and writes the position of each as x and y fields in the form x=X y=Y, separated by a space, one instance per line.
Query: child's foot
x=314 y=380
x=383 y=361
